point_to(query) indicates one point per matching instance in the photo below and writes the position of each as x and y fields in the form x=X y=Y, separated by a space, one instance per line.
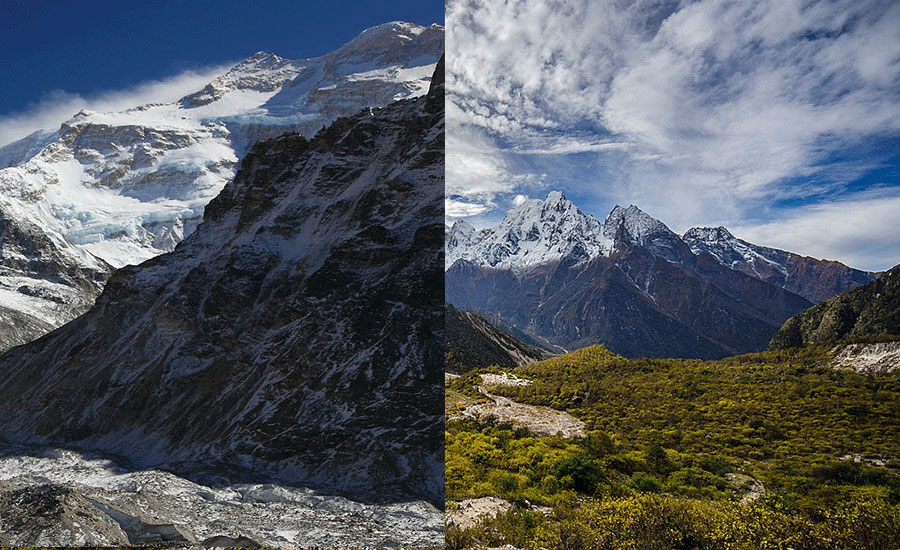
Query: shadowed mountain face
x=42 y=283
x=297 y=334
x=869 y=311
x=473 y=342
x=630 y=283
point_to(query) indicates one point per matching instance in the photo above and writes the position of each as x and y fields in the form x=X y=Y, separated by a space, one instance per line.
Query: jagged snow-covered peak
x=533 y=233
x=392 y=40
x=639 y=225
x=460 y=235
x=708 y=234
x=736 y=253
x=536 y=232
x=261 y=72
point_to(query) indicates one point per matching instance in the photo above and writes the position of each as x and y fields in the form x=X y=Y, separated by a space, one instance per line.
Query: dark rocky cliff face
x=297 y=334
x=869 y=311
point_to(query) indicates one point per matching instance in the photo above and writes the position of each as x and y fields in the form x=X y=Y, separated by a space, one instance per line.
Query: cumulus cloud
x=685 y=108
x=57 y=106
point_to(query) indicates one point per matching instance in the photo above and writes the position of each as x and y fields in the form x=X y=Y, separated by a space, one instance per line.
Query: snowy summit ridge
x=538 y=232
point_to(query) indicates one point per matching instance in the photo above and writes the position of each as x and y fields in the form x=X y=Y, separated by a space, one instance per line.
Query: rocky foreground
x=53 y=497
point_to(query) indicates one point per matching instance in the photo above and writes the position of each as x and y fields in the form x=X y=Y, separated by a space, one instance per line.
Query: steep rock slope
x=297 y=333
x=815 y=280
x=869 y=311
x=42 y=285
x=473 y=342
x=629 y=283
x=127 y=186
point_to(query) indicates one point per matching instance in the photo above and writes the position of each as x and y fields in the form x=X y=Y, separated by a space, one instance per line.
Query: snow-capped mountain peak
x=639 y=225
x=538 y=232
x=261 y=72
x=737 y=253
x=533 y=233
x=708 y=234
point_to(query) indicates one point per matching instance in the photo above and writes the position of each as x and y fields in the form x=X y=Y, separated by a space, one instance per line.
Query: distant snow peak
x=537 y=232
x=533 y=233
x=708 y=234
x=261 y=72
x=638 y=224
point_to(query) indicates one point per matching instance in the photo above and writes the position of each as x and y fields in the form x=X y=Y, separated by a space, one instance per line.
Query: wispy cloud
x=695 y=110
x=859 y=231
x=57 y=106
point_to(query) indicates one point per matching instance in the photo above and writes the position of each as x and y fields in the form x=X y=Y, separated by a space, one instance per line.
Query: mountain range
x=630 y=283
x=109 y=189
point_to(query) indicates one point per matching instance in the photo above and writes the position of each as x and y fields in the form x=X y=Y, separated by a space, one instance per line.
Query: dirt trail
x=541 y=421
x=470 y=512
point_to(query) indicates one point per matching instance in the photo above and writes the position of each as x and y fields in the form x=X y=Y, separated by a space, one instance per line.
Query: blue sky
x=55 y=53
x=779 y=119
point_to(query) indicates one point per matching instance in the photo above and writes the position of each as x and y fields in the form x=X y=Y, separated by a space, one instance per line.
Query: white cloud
x=57 y=106
x=860 y=231
x=694 y=110
x=455 y=209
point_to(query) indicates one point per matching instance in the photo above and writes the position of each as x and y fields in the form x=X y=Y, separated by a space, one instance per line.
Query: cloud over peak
x=57 y=106
x=701 y=109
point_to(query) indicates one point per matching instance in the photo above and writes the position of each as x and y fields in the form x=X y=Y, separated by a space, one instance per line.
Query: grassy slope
x=668 y=437
x=867 y=313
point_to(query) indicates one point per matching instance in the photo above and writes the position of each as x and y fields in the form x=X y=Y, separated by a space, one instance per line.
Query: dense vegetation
x=674 y=446
x=473 y=342
x=869 y=312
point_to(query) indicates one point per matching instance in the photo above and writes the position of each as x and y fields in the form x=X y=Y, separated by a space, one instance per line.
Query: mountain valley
x=293 y=340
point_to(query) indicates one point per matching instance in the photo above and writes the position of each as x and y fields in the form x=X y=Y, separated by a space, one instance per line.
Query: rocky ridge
x=871 y=311
x=473 y=342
